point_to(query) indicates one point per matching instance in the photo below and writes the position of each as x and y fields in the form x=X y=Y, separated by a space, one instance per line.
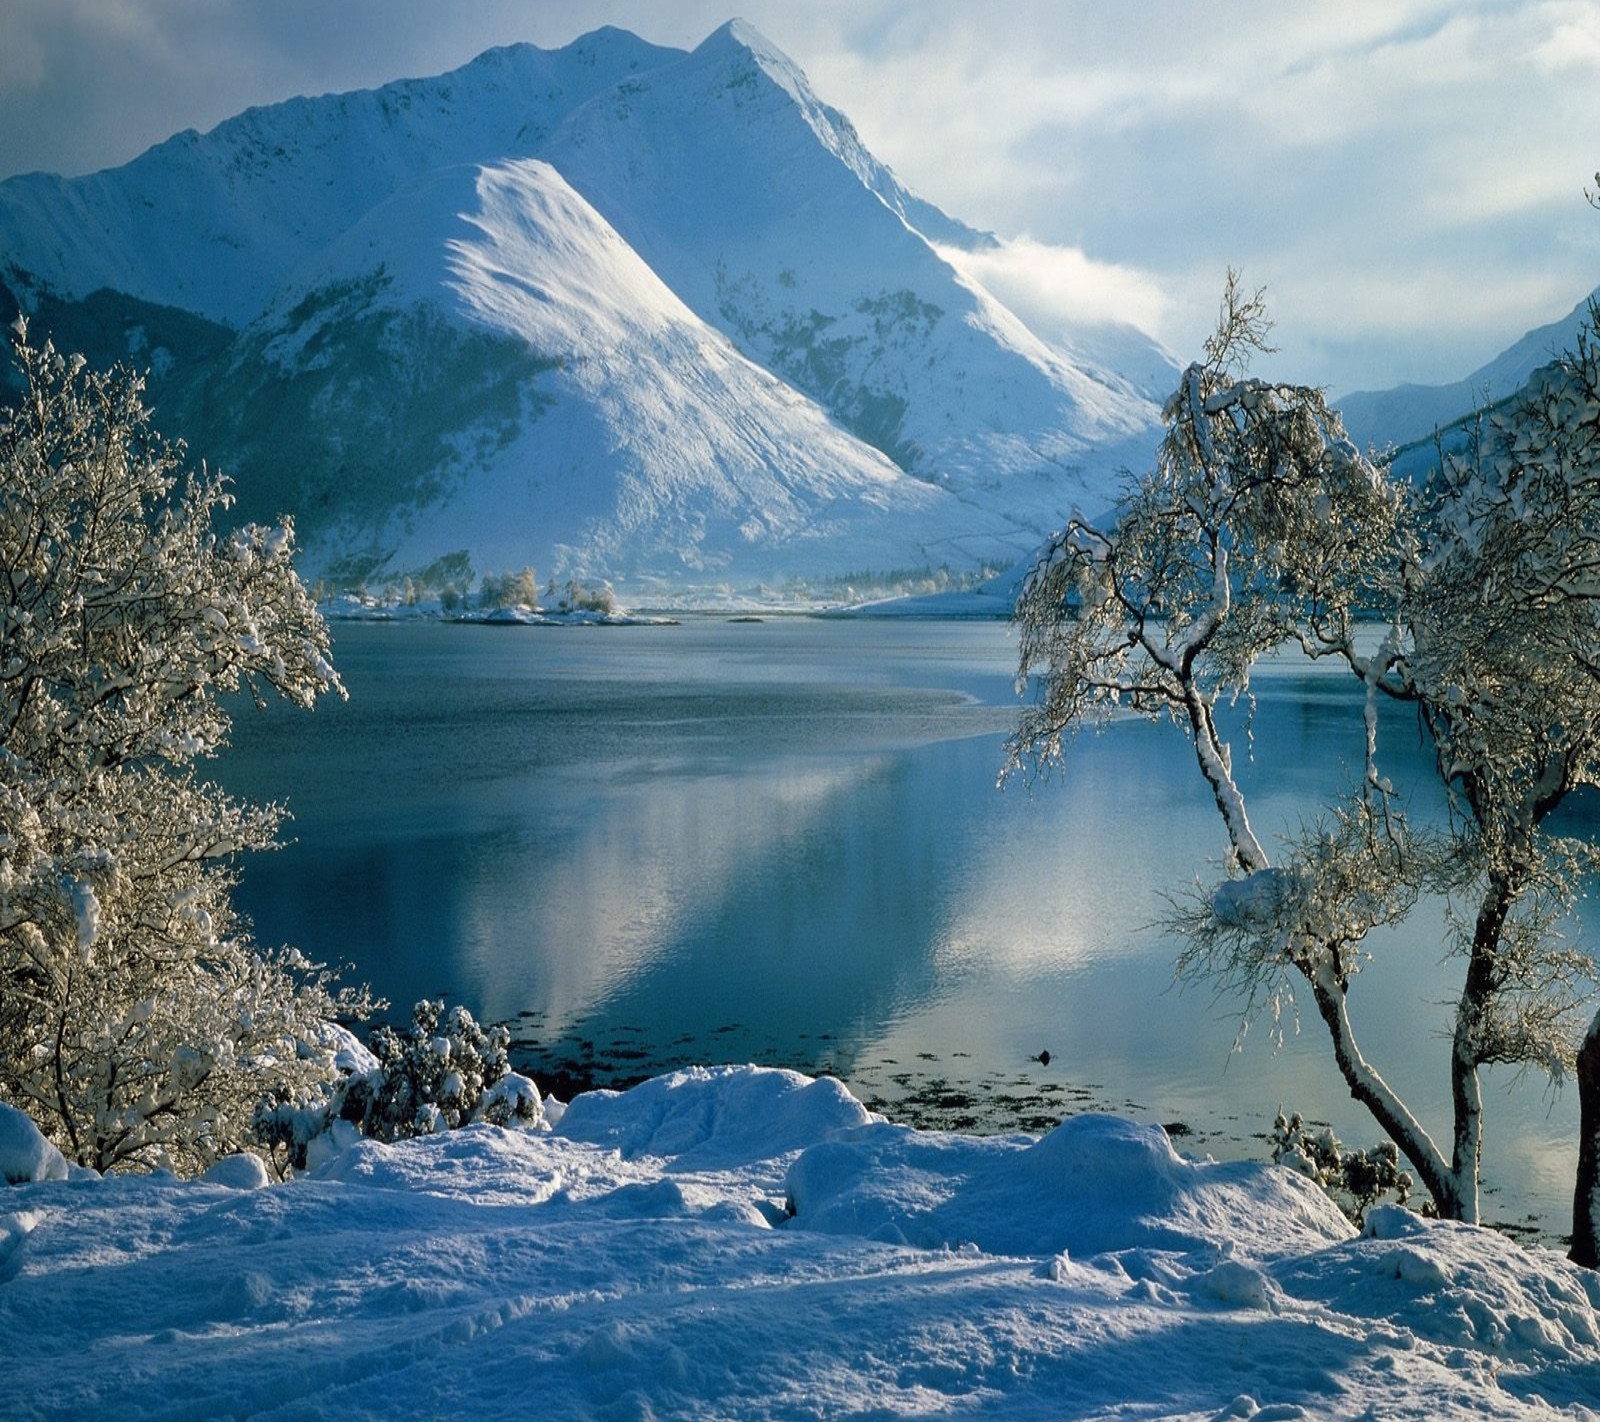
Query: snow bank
x=238 y=1172
x=25 y=1155
x=644 y=1267
x=1465 y=1288
x=1093 y=1185
x=714 y=1118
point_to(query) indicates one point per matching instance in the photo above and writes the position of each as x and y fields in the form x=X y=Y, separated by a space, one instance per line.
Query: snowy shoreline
x=992 y=601
x=747 y=1243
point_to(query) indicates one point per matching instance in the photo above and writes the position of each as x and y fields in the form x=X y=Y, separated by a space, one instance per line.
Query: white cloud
x=1056 y=288
x=1573 y=42
x=1401 y=176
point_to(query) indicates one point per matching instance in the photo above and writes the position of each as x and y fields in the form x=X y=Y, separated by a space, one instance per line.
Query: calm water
x=782 y=842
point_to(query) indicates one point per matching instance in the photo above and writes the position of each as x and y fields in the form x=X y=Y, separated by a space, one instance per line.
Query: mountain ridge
x=823 y=390
x=245 y=158
x=1407 y=413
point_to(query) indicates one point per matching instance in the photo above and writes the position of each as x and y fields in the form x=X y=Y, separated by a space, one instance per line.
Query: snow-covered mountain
x=818 y=268
x=625 y=435
x=215 y=223
x=1398 y=417
x=613 y=310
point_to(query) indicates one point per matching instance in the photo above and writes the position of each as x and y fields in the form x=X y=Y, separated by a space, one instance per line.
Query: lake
x=782 y=842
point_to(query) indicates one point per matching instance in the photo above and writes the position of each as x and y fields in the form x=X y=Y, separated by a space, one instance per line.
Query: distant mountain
x=1413 y=412
x=761 y=208
x=613 y=310
x=512 y=377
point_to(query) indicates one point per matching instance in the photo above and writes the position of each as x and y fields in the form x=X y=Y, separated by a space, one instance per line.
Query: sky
x=1405 y=178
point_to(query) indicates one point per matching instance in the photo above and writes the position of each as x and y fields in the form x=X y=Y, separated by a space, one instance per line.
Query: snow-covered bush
x=1355 y=1179
x=138 y=1023
x=509 y=590
x=442 y=1072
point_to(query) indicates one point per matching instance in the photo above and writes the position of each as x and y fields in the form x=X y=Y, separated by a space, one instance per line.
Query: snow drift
x=687 y=1249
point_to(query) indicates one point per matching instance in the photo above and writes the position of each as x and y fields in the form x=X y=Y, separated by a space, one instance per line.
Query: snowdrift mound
x=25 y=1155
x=1455 y=1285
x=529 y=1273
x=714 y=1118
x=1093 y=1185
x=239 y=1172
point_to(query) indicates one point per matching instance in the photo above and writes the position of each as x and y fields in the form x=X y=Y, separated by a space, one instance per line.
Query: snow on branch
x=138 y=1023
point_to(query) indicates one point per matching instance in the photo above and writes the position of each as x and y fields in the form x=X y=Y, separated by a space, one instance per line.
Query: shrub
x=138 y=1022
x=442 y=1072
x=1354 y=1179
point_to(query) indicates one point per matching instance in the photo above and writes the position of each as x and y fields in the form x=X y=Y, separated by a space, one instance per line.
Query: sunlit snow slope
x=761 y=208
x=215 y=223
x=642 y=444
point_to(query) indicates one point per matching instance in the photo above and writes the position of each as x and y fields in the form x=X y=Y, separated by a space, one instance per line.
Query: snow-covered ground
x=745 y=1243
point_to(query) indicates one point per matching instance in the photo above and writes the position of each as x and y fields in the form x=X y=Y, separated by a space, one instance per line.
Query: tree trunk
x=1370 y=1089
x=1454 y=1193
x=1466 y=1093
x=1211 y=751
x=1586 y=1193
x=1467 y=1048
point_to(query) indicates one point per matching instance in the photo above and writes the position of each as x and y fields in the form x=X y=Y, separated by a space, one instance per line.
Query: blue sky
x=1405 y=178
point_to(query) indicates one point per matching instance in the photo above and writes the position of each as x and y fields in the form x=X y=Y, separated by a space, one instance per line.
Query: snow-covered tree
x=1261 y=525
x=510 y=590
x=138 y=1023
x=579 y=596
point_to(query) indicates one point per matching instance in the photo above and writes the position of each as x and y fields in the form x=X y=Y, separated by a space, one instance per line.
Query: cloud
x=1573 y=42
x=1054 y=289
x=1349 y=158
x=22 y=64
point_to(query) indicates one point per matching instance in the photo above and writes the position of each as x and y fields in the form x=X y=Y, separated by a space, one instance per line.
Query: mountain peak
x=741 y=42
x=613 y=309
x=741 y=34
x=214 y=223
x=609 y=40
